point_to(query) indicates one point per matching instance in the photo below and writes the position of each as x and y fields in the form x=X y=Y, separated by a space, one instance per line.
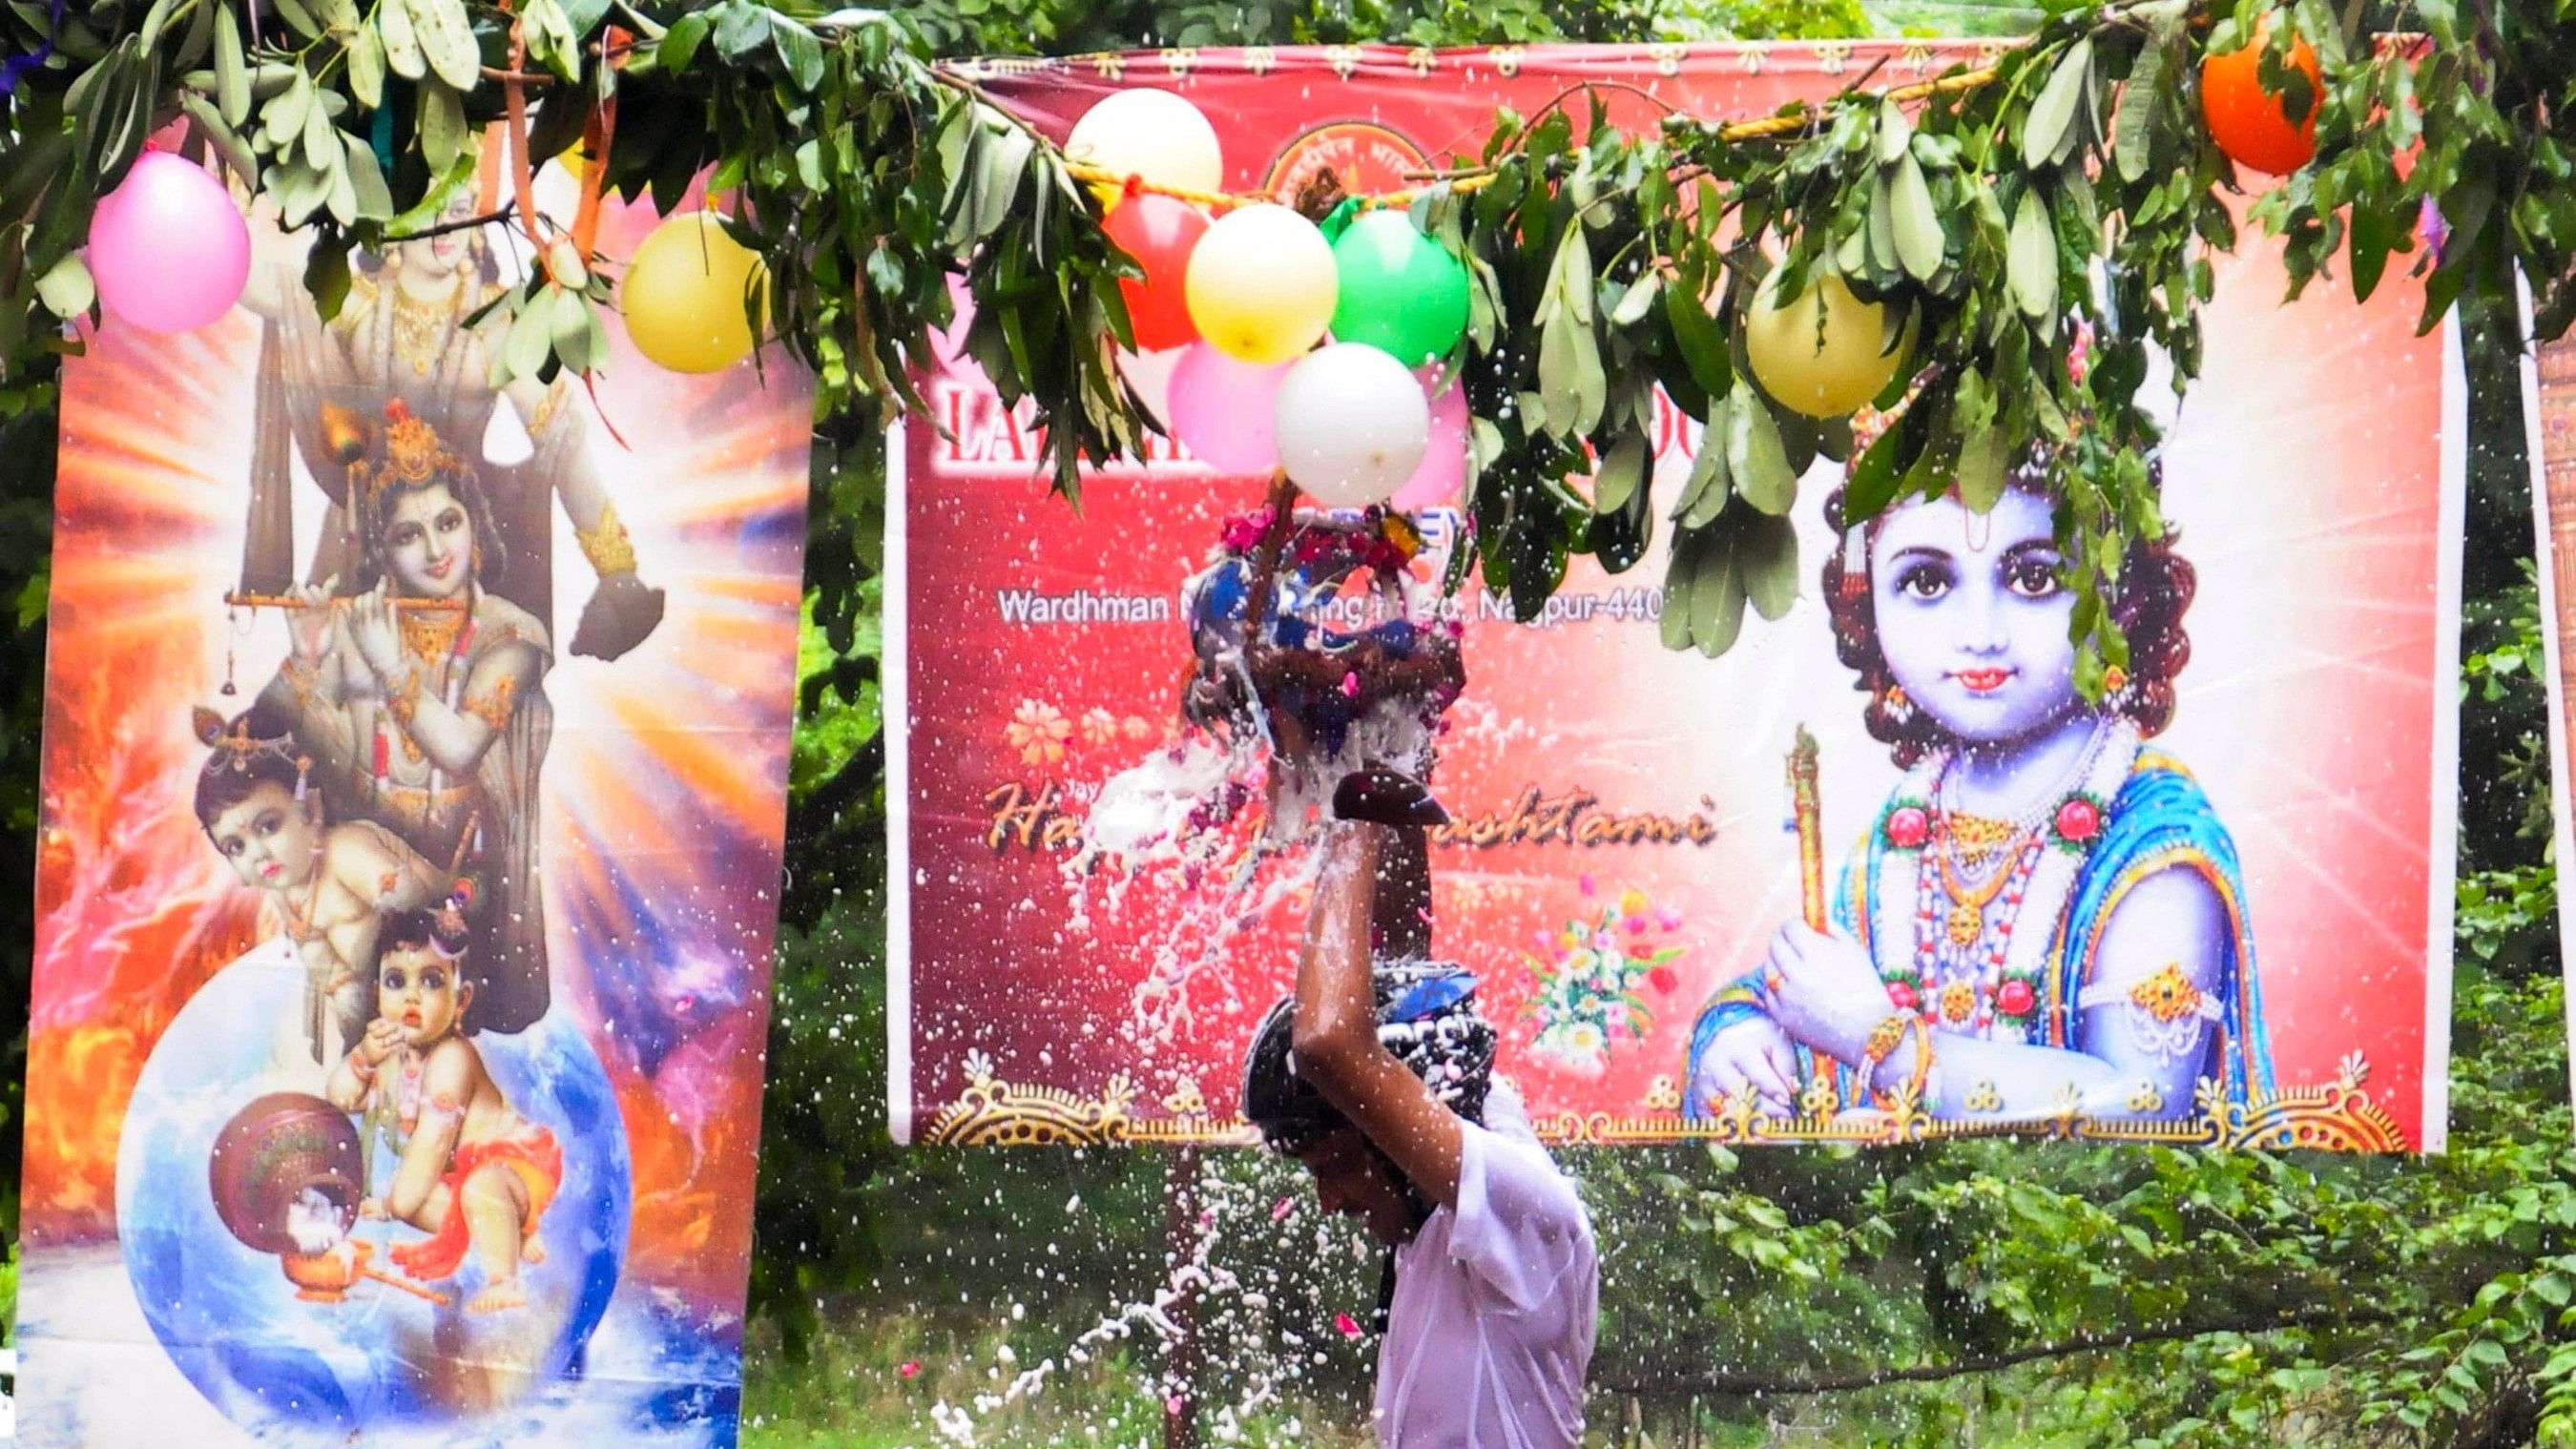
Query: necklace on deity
x=421 y=324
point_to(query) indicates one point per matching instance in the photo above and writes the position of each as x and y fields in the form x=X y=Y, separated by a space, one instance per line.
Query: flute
x=1811 y=839
x=290 y=601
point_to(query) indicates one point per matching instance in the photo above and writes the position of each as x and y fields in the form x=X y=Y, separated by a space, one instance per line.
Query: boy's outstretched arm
x=1334 y=1031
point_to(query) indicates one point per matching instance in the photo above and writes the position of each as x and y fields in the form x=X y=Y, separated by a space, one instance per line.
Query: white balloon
x=1149 y=133
x=1352 y=424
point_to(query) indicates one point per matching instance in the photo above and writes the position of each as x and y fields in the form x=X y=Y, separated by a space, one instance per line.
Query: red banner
x=1616 y=857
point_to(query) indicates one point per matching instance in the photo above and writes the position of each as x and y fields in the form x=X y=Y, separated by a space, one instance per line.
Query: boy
x=331 y=884
x=1378 y=1082
x=473 y=1174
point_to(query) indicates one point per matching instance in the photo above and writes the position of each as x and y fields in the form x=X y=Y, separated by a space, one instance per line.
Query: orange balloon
x=2252 y=125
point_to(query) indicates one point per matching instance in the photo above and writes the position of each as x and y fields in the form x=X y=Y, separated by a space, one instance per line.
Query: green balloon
x=1401 y=292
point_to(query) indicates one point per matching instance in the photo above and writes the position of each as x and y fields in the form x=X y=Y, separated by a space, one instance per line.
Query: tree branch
x=1732 y=1385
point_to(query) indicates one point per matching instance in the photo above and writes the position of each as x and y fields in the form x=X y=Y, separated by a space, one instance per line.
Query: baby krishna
x=474 y=1174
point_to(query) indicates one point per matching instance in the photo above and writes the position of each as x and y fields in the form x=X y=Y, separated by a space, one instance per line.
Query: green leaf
x=1622 y=472
x=800 y=52
x=403 y=54
x=66 y=289
x=1703 y=346
x=367 y=67
x=1755 y=458
x=326 y=278
x=1767 y=557
x=1895 y=132
x=680 y=42
x=1633 y=302
x=1678 y=575
x=1717 y=597
x=367 y=179
x=1981 y=470
x=2052 y=116
x=443 y=137
x=1704 y=495
x=2031 y=258
x=300 y=18
x=2133 y=139
x=1881 y=225
x=1918 y=227
x=232 y=80
x=447 y=39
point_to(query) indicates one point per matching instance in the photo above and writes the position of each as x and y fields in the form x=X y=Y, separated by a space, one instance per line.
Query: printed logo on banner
x=1364 y=157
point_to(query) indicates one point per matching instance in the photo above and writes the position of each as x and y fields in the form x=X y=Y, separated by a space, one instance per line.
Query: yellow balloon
x=1261 y=284
x=1148 y=133
x=1822 y=376
x=683 y=295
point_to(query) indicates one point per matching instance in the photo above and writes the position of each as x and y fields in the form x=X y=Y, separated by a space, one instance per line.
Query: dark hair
x=375 y=513
x=1426 y=1015
x=2154 y=590
x=254 y=749
x=442 y=928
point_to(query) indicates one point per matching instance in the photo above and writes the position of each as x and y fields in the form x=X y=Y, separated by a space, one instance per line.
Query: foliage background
x=2427 y=1301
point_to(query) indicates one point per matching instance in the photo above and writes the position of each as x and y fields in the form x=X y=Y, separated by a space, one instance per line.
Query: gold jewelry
x=414 y=455
x=547 y=406
x=422 y=325
x=430 y=635
x=404 y=700
x=605 y=543
x=1883 y=1041
x=1921 y=1079
x=496 y=708
x=1966 y=923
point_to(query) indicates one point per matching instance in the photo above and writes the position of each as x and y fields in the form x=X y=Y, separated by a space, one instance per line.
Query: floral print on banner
x=1593 y=975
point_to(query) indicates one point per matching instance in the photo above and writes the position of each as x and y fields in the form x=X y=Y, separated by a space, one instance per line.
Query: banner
x=2549 y=421
x=2234 y=888
x=414 y=790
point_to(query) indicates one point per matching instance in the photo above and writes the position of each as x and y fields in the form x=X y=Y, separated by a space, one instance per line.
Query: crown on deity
x=234 y=747
x=413 y=454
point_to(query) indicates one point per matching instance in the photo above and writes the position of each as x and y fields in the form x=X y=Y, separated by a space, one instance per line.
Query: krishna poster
x=414 y=790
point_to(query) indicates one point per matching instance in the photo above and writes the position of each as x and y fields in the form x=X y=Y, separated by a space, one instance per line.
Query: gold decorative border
x=2339 y=1117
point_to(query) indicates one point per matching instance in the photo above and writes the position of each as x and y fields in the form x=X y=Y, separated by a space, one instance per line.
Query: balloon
x=1261 y=284
x=2252 y=125
x=1398 y=289
x=1442 y=475
x=1160 y=233
x=1353 y=424
x=683 y=295
x=167 y=248
x=1827 y=377
x=1151 y=134
x=1222 y=409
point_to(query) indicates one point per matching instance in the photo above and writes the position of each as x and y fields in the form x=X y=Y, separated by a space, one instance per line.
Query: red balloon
x=1160 y=232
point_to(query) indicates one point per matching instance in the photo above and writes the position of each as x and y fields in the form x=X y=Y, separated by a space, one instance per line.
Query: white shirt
x=1490 y=1333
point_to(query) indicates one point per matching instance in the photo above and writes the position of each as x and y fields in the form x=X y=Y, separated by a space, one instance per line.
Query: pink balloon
x=1221 y=408
x=167 y=247
x=1443 y=474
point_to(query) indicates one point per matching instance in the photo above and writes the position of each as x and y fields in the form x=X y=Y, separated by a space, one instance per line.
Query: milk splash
x=313 y=1223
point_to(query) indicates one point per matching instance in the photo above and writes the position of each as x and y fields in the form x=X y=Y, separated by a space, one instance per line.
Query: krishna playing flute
x=2046 y=913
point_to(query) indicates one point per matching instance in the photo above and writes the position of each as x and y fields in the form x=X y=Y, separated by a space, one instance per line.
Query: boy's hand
x=372 y=1209
x=382 y=1038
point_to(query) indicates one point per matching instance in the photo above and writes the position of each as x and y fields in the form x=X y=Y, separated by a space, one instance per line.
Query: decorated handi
x=1312 y=637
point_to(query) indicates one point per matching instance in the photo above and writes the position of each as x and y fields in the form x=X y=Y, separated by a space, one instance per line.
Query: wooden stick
x=289 y=601
x=1811 y=839
x=414 y=1289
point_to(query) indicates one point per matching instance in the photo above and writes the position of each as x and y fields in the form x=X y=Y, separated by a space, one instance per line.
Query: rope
x=1763 y=129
